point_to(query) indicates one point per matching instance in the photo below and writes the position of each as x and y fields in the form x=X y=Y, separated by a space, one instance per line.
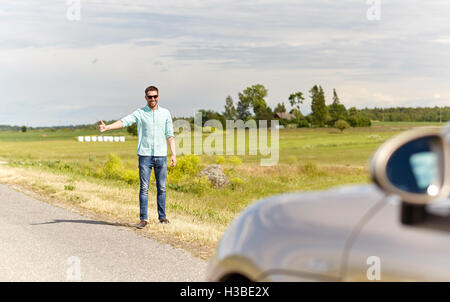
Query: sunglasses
x=152 y=96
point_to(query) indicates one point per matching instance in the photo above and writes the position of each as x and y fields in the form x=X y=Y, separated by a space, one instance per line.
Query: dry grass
x=113 y=204
x=295 y=169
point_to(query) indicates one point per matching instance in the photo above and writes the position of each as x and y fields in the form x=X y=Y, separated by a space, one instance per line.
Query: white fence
x=101 y=139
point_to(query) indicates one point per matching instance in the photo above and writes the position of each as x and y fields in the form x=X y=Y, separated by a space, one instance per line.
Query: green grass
x=407 y=124
x=336 y=158
x=325 y=146
x=50 y=135
x=305 y=144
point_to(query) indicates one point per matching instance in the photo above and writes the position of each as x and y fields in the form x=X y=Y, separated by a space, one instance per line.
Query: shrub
x=220 y=160
x=359 y=120
x=199 y=185
x=303 y=123
x=130 y=176
x=113 y=166
x=113 y=169
x=341 y=125
x=283 y=122
x=187 y=167
x=234 y=160
x=235 y=182
x=195 y=185
x=86 y=169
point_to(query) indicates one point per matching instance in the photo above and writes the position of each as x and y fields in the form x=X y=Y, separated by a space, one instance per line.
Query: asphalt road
x=41 y=242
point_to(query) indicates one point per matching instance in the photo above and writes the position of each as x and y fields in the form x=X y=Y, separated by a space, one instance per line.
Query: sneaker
x=165 y=221
x=142 y=224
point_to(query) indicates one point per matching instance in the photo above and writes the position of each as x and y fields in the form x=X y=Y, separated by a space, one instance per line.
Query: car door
x=401 y=252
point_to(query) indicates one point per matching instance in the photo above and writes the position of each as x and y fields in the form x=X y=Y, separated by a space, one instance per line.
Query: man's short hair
x=151 y=88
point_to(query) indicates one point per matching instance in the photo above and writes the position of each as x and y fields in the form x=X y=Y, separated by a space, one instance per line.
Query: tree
x=336 y=109
x=24 y=128
x=319 y=110
x=212 y=115
x=420 y=114
x=132 y=129
x=352 y=111
x=296 y=99
x=356 y=119
x=243 y=110
x=253 y=96
x=265 y=114
x=296 y=112
x=280 y=108
x=341 y=125
x=230 y=112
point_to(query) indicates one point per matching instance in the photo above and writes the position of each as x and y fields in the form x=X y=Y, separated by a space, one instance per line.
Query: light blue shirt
x=153 y=128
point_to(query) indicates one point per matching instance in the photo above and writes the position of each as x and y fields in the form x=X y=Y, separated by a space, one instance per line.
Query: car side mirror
x=413 y=165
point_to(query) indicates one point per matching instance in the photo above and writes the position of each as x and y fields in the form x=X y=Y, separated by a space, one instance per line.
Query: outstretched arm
x=116 y=125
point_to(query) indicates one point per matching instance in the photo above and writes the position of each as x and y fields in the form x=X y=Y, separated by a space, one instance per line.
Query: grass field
x=62 y=170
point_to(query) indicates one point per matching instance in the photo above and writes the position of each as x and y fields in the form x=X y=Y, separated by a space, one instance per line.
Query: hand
x=173 y=160
x=102 y=127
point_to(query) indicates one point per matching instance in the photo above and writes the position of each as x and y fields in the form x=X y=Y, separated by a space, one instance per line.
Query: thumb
x=101 y=121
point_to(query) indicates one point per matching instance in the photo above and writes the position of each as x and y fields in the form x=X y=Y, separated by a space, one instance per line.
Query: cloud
x=442 y=40
x=199 y=51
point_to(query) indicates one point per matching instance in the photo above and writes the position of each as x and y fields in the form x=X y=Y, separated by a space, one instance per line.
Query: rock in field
x=215 y=175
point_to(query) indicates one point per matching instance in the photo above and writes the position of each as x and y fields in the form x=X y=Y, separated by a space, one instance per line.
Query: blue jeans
x=146 y=163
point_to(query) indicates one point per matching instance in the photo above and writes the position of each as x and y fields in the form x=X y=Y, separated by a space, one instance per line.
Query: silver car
x=397 y=229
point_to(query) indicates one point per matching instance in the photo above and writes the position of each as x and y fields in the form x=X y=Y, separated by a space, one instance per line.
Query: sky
x=67 y=64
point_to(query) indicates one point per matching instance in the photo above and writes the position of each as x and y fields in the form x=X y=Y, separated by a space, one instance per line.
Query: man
x=154 y=125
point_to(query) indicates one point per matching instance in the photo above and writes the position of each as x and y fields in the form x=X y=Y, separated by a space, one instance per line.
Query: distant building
x=284 y=115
